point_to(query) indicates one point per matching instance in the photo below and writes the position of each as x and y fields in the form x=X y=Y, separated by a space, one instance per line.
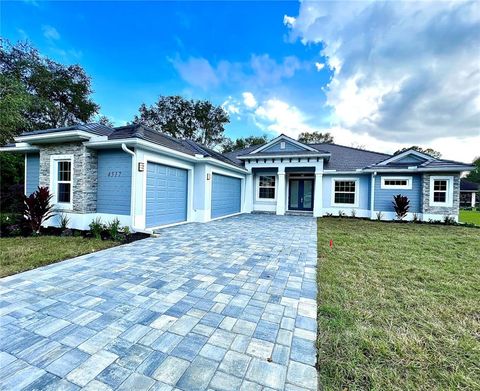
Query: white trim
x=274 y=156
x=456 y=168
x=53 y=181
x=283 y=137
x=396 y=178
x=63 y=136
x=448 y=193
x=257 y=187
x=356 y=194
x=25 y=173
x=406 y=153
x=20 y=147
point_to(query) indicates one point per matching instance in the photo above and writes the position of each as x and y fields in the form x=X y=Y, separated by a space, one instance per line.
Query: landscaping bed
x=397 y=305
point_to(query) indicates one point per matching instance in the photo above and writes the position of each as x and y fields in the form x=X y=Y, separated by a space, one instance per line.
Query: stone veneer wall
x=441 y=210
x=84 y=187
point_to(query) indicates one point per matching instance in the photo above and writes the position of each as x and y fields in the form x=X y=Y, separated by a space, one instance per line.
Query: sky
x=377 y=75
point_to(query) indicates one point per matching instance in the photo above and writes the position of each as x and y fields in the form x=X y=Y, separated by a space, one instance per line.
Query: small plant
x=401 y=204
x=416 y=219
x=341 y=213
x=96 y=227
x=379 y=216
x=63 y=221
x=329 y=214
x=353 y=213
x=113 y=229
x=37 y=208
x=449 y=220
x=126 y=230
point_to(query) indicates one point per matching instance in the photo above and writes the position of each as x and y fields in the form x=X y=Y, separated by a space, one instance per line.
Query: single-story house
x=469 y=194
x=150 y=180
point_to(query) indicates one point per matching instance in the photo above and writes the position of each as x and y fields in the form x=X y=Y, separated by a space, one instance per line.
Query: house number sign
x=114 y=174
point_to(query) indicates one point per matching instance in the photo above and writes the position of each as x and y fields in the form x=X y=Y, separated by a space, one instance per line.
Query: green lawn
x=20 y=254
x=470 y=216
x=398 y=306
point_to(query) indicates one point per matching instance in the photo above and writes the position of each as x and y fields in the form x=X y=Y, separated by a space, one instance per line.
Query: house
x=150 y=180
x=469 y=196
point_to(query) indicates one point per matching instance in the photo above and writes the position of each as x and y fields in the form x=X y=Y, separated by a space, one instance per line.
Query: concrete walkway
x=228 y=305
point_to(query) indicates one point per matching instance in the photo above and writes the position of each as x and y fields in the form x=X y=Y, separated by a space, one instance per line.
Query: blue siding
x=384 y=197
x=363 y=190
x=114 y=182
x=410 y=159
x=226 y=195
x=32 y=173
x=166 y=195
x=289 y=147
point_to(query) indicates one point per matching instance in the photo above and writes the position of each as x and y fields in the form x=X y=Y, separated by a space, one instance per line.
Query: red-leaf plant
x=401 y=204
x=37 y=208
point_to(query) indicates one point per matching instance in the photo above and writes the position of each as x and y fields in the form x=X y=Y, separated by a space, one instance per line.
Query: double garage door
x=167 y=190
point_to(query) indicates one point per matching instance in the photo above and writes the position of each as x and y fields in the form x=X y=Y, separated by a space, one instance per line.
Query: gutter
x=133 y=191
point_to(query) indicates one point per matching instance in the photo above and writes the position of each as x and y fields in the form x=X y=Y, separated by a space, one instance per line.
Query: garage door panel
x=166 y=195
x=226 y=195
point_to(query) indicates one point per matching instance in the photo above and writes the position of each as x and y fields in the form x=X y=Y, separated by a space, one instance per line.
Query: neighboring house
x=149 y=180
x=469 y=196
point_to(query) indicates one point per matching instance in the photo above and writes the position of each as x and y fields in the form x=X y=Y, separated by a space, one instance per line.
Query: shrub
x=37 y=208
x=416 y=219
x=379 y=216
x=353 y=213
x=341 y=213
x=126 y=230
x=113 y=229
x=63 y=221
x=449 y=220
x=401 y=204
x=96 y=227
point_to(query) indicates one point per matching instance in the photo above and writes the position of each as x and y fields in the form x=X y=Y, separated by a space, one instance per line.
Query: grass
x=20 y=254
x=470 y=216
x=398 y=306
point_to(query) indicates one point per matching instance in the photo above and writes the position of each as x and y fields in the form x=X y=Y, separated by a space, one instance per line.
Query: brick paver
x=227 y=305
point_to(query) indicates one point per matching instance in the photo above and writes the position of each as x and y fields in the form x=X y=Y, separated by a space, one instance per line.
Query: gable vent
x=282 y=145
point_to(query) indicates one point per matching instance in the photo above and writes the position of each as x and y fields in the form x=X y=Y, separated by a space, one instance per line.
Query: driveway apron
x=227 y=305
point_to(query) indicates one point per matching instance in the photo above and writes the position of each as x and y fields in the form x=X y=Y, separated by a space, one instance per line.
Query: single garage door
x=166 y=195
x=226 y=193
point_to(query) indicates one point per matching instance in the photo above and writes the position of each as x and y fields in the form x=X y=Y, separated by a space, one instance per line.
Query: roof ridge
x=355 y=148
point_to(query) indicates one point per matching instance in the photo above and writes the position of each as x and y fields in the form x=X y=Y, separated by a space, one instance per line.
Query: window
x=396 y=183
x=441 y=191
x=345 y=192
x=282 y=145
x=61 y=179
x=266 y=187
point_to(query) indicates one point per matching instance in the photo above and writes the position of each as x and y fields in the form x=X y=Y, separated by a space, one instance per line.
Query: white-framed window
x=61 y=180
x=345 y=192
x=282 y=144
x=266 y=187
x=441 y=191
x=401 y=182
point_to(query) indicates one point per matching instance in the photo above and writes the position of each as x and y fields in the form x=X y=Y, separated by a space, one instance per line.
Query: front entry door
x=300 y=195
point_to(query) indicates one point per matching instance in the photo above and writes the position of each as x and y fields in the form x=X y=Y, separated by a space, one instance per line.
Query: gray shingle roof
x=94 y=128
x=468 y=186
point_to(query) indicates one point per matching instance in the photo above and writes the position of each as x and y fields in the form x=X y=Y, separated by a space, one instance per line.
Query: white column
x=318 y=195
x=372 y=196
x=281 y=190
x=248 y=197
x=473 y=199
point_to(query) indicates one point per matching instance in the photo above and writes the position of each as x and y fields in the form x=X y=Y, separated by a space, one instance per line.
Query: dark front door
x=300 y=195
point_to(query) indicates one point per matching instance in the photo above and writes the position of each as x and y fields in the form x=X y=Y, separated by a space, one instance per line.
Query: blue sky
x=375 y=74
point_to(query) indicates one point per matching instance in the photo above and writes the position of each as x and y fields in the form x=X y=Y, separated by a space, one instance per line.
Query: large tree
x=197 y=120
x=428 y=151
x=315 y=138
x=474 y=176
x=58 y=95
x=243 y=142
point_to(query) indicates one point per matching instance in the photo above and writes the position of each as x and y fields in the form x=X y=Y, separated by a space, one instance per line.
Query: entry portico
x=284 y=175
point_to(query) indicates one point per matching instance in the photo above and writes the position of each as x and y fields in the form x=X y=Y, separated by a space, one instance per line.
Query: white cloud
x=319 y=66
x=197 y=72
x=50 y=32
x=231 y=106
x=249 y=100
x=404 y=72
x=288 y=20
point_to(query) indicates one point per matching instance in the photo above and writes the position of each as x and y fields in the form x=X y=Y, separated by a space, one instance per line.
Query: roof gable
x=410 y=156
x=283 y=143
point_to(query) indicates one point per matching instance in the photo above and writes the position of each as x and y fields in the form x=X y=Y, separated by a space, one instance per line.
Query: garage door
x=166 y=195
x=225 y=195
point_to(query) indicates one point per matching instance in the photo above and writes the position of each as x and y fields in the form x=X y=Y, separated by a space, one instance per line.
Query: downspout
x=133 y=191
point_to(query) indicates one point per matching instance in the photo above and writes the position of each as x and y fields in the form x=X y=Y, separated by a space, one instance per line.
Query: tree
x=196 y=120
x=105 y=121
x=428 y=151
x=474 y=176
x=315 y=138
x=243 y=142
x=47 y=93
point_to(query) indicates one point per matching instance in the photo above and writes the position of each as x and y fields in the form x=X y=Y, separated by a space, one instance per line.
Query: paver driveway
x=228 y=305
